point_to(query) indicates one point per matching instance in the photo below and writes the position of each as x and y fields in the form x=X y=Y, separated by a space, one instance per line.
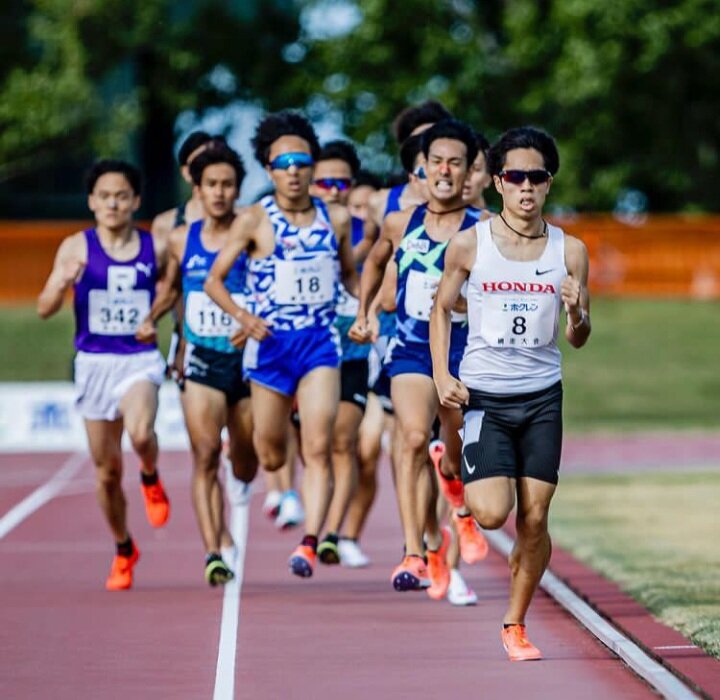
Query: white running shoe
x=271 y=504
x=459 y=592
x=351 y=555
x=237 y=490
x=291 y=512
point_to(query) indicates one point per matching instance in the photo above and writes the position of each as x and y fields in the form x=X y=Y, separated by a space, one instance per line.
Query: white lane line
x=41 y=495
x=668 y=685
x=227 y=650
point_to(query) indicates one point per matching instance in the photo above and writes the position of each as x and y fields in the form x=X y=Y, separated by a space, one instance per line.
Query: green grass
x=656 y=536
x=648 y=364
x=36 y=350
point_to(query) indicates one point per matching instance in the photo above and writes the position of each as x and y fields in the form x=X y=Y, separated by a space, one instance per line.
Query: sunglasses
x=420 y=173
x=517 y=177
x=327 y=183
x=286 y=160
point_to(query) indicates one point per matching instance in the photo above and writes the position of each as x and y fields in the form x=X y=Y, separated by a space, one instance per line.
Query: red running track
x=342 y=633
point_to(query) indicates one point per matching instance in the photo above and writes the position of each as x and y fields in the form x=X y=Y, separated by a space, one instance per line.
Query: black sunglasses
x=517 y=177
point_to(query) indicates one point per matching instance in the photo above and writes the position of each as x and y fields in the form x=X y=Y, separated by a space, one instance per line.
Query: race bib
x=347 y=305
x=305 y=281
x=206 y=319
x=420 y=291
x=117 y=313
x=517 y=321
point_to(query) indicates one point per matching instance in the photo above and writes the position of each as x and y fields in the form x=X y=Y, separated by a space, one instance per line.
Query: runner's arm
x=372 y=275
x=574 y=292
x=70 y=261
x=341 y=223
x=361 y=250
x=458 y=262
x=241 y=238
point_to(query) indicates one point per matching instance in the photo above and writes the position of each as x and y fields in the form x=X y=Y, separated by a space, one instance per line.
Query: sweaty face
x=524 y=200
x=113 y=201
x=446 y=167
x=326 y=171
x=358 y=201
x=293 y=183
x=218 y=189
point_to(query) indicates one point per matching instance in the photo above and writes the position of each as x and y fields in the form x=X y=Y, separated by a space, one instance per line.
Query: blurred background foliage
x=630 y=88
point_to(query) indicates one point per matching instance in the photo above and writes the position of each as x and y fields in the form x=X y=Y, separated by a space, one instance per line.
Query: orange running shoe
x=302 y=561
x=157 y=505
x=473 y=545
x=438 y=569
x=121 y=571
x=517 y=645
x=451 y=489
x=411 y=574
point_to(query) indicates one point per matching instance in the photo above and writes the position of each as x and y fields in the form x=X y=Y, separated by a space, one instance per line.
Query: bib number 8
x=519 y=325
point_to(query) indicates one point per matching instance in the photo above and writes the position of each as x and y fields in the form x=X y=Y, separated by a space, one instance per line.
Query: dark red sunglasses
x=327 y=183
x=517 y=177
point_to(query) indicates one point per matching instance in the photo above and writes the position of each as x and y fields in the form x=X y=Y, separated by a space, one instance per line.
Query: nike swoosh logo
x=467 y=466
x=543 y=272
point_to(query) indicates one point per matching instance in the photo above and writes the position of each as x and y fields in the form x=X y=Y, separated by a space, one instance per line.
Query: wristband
x=583 y=317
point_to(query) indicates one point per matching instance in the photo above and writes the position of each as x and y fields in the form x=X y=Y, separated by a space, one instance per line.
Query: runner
x=418 y=239
x=520 y=272
x=412 y=121
x=113 y=269
x=335 y=170
x=191 y=209
x=215 y=395
x=294 y=243
x=478 y=179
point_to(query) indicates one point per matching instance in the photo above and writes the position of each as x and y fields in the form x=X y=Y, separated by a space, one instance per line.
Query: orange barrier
x=662 y=256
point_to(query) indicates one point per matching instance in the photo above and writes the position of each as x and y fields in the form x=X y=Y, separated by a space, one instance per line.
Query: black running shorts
x=354 y=382
x=513 y=435
x=219 y=370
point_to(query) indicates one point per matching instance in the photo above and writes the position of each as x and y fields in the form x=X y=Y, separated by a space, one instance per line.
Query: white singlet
x=513 y=311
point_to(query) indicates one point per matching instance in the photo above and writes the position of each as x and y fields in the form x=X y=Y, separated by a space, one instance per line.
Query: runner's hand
x=176 y=369
x=254 y=326
x=146 y=332
x=239 y=337
x=452 y=392
x=570 y=295
x=359 y=331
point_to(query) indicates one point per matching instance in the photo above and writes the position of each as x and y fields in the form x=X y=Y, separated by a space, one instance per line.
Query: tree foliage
x=630 y=88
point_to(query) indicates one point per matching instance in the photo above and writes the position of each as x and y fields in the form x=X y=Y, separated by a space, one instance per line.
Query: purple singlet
x=112 y=298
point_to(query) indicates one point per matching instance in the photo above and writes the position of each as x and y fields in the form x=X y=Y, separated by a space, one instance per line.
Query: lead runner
x=520 y=272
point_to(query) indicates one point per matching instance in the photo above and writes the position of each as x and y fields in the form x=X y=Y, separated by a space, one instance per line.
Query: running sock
x=512 y=624
x=212 y=556
x=149 y=479
x=310 y=541
x=331 y=537
x=125 y=549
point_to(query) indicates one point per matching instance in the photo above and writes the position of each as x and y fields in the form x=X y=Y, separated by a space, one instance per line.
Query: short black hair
x=411 y=118
x=341 y=150
x=409 y=152
x=213 y=155
x=365 y=178
x=451 y=129
x=108 y=165
x=192 y=143
x=285 y=123
x=524 y=137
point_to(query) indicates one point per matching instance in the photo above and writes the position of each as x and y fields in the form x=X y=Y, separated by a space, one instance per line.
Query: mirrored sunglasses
x=517 y=177
x=327 y=183
x=286 y=160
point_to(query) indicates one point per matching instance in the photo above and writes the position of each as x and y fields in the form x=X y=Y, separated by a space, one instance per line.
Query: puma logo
x=145 y=269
